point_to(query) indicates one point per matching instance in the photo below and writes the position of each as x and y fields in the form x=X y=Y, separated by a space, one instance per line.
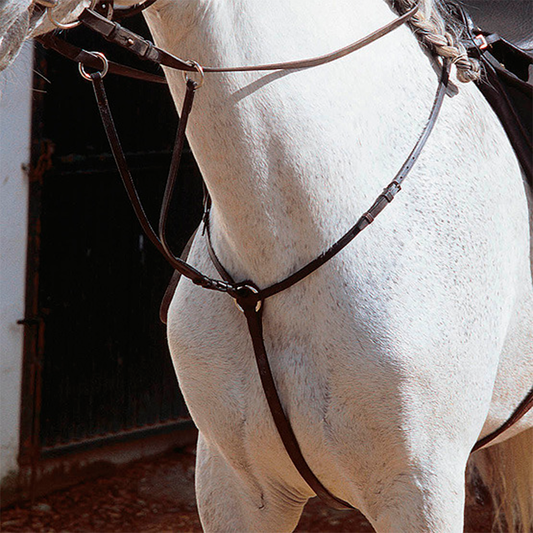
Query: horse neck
x=288 y=157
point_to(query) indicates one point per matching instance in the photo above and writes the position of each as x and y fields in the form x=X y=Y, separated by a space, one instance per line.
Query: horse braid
x=429 y=26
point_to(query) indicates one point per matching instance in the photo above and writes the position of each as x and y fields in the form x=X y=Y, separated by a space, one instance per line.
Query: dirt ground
x=157 y=496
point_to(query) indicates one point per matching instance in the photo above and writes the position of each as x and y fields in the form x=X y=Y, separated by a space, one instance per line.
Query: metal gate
x=97 y=365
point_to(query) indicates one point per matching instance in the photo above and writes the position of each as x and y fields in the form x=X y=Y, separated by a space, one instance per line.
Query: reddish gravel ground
x=157 y=496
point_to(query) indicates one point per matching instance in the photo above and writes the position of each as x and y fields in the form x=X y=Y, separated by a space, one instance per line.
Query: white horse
x=395 y=357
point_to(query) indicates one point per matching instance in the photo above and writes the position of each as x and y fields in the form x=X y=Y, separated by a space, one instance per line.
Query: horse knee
x=232 y=500
x=420 y=502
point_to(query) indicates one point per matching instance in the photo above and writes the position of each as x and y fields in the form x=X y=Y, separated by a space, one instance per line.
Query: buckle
x=481 y=42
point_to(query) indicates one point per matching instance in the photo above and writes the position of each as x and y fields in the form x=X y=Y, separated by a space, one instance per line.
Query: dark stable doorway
x=97 y=362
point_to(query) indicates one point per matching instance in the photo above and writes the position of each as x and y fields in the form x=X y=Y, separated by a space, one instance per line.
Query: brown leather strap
x=381 y=202
x=115 y=33
x=107 y=120
x=88 y=59
x=141 y=47
x=173 y=283
x=255 y=327
x=519 y=412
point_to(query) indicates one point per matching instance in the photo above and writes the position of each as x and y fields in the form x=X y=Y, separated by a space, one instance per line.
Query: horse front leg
x=232 y=500
x=425 y=499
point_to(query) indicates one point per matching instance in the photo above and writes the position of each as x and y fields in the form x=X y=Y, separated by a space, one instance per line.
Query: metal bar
x=123 y=436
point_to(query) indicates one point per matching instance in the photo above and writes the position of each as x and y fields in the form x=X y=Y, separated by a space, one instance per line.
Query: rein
x=249 y=298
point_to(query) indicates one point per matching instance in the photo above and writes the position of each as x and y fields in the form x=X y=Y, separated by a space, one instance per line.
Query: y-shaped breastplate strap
x=250 y=298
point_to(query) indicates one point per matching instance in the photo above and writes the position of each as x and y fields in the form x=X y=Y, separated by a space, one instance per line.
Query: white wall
x=15 y=121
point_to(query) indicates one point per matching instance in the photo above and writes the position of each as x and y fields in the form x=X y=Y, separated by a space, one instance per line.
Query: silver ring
x=254 y=291
x=52 y=19
x=200 y=71
x=103 y=72
x=61 y=25
x=49 y=4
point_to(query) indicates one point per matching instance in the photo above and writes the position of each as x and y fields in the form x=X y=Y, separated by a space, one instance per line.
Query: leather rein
x=249 y=298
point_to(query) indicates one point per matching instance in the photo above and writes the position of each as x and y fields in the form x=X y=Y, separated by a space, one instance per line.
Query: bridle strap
x=115 y=33
x=88 y=59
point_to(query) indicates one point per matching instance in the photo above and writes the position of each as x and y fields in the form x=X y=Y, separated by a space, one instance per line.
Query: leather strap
x=141 y=47
x=249 y=298
x=385 y=198
x=520 y=411
x=115 y=33
x=159 y=242
x=88 y=59
x=255 y=327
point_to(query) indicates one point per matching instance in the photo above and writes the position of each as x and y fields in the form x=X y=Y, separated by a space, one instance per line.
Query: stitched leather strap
x=74 y=53
x=115 y=33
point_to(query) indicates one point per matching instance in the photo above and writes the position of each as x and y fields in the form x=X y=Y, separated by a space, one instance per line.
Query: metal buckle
x=484 y=43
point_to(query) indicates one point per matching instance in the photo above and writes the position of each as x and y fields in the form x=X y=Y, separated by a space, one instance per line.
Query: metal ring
x=200 y=71
x=61 y=25
x=46 y=3
x=253 y=290
x=103 y=72
x=52 y=19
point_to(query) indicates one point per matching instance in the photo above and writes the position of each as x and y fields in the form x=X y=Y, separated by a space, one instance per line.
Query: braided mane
x=435 y=29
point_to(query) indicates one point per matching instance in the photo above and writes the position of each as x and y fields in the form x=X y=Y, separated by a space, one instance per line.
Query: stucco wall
x=15 y=120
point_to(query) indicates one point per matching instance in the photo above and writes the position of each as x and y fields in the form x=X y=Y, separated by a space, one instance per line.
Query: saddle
x=509 y=18
x=505 y=82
